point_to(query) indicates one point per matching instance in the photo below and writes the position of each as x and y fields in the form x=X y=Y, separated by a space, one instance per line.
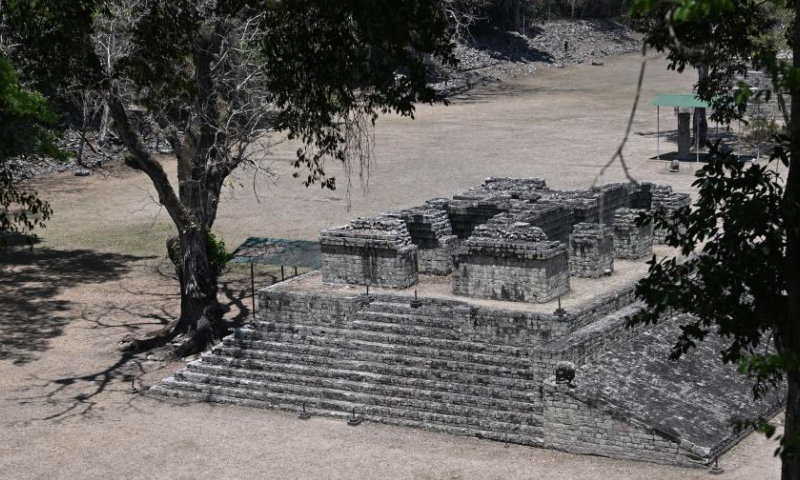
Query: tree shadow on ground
x=78 y=396
x=31 y=281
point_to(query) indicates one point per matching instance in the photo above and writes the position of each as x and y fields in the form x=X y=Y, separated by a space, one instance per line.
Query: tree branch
x=145 y=162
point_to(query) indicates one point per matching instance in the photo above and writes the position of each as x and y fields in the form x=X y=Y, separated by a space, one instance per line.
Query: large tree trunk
x=788 y=329
x=201 y=315
x=200 y=320
x=791 y=467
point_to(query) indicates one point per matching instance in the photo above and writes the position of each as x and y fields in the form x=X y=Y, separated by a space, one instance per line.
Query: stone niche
x=369 y=251
x=430 y=230
x=591 y=250
x=631 y=242
x=506 y=260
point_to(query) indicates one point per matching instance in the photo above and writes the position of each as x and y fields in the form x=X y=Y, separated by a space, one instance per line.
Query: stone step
x=356 y=349
x=279 y=330
x=430 y=321
x=467 y=395
x=409 y=330
x=505 y=389
x=483 y=374
x=378 y=368
x=247 y=335
x=376 y=396
x=219 y=396
x=245 y=389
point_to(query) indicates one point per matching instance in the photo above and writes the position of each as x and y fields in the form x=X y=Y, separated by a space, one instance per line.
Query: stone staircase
x=388 y=363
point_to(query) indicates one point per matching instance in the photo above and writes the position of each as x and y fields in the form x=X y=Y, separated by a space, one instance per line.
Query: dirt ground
x=66 y=408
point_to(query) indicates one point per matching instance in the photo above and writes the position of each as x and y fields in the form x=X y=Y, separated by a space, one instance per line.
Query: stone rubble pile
x=499 y=55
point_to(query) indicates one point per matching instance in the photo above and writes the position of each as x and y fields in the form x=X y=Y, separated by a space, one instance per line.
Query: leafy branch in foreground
x=25 y=136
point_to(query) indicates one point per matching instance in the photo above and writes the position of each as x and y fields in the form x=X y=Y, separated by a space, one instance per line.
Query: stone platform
x=471 y=309
x=477 y=367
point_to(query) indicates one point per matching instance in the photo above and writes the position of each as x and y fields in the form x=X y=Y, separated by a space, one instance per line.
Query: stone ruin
x=370 y=252
x=431 y=232
x=508 y=260
x=630 y=240
x=508 y=239
x=591 y=250
x=462 y=315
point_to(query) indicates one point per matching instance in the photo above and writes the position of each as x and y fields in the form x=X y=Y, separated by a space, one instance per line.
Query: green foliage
x=740 y=277
x=218 y=256
x=737 y=224
x=24 y=136
x=327 y=62
x=721 y=35
x=348 y=58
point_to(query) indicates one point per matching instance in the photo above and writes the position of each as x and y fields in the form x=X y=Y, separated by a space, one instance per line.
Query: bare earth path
x=65 y=412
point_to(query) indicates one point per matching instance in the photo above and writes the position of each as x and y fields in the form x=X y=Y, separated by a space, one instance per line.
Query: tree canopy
x=220 y=77
x=25 y=135
x=741 y=277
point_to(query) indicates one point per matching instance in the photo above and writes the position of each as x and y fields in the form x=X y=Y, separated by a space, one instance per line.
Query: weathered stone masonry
x=466 y=365
x=511 y=261
x=577 y=427
x=429 y=228
x=591 y=250
x=370 y=252
x=631 y=241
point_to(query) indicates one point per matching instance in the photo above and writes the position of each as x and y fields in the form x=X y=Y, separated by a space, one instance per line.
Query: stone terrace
x=429 y=349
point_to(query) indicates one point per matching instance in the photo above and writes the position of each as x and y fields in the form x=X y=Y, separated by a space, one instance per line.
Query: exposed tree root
x=196 y=342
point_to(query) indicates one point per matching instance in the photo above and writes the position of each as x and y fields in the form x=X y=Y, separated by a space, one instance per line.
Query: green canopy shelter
x=279 y=251
x=676 y=101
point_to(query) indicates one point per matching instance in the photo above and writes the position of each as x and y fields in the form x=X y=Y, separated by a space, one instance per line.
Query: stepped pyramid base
x=468 y=367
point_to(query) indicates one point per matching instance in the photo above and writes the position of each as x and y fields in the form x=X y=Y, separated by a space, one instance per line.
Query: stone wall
x=438 y=260
x=475 y=323
x=631 y=241
x=478 y=205
x=668 y=201
x=605 y=305
x=374 y=253
x=581 y=346
x=591 y=250
x=308 y=308
x=761 y=107
x=576 y=427
x=430 y=230
x=553 y=218
x=467 y=213
x=369 y=252
x=511 y=261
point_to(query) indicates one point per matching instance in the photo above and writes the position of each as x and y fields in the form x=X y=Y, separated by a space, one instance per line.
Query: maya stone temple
x=499 y=313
